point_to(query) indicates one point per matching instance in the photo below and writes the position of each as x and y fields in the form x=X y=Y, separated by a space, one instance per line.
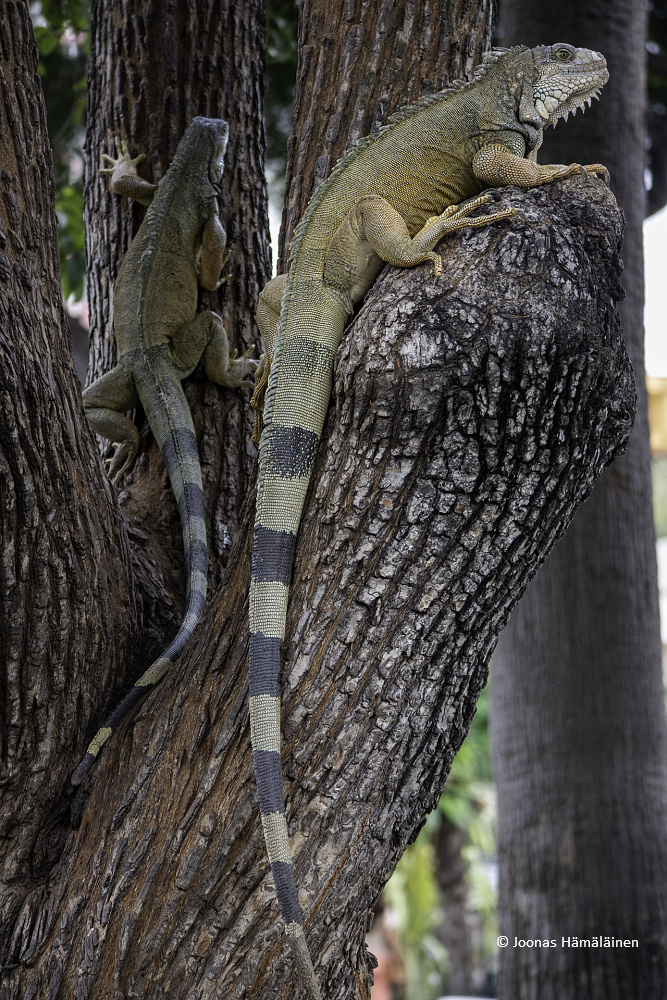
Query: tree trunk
x=469 y=419
x=67 y=599
x=578 y=711
x=453 y=931
x=148 y=80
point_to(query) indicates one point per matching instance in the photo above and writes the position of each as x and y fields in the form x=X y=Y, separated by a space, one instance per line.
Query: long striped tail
x=271 y=567
x=173 y=429
x=297 y=400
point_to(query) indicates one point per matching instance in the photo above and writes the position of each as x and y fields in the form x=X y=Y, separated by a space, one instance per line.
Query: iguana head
x=566 y=79
x=216 y=133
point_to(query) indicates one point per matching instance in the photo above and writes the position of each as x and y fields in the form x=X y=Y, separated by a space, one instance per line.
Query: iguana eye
x=563 y=54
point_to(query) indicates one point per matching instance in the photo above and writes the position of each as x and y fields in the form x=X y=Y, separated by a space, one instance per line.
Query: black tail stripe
x=132 y=698
x=273 y=555
x=196 y=605
x=82 y=769
x=292 y=451
x=269 y=775
x=265 y=660
x=181 y=441
x=179 y=642
x=197 y=554
x=311 y=358
x=196 y=602
x=191 y=502
x=286 y=891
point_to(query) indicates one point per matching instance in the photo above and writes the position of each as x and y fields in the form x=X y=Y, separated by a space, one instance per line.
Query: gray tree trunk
x=453 y=931
x=469 y=419
x=577 y=720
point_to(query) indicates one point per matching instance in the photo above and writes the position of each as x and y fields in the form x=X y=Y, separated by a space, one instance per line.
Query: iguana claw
x=123 y=163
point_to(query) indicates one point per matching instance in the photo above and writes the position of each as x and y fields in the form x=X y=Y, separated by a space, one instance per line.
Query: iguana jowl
x=160 y=338
x=391 y=198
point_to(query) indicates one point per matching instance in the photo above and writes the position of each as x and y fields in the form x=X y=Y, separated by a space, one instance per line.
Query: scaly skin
x=161 y=337
x=392 y=198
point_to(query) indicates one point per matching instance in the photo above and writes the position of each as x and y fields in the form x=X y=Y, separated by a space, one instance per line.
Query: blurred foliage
x=468 y=802
x=62 y=34
x=281 y=59
x=412 y=895
x=69 y=209
x=659 y=475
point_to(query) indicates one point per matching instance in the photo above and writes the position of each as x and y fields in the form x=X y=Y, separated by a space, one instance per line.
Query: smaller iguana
x=390 y=199
x=161 y=338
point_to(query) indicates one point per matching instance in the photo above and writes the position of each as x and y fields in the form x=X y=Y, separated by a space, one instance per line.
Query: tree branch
x=471 y=415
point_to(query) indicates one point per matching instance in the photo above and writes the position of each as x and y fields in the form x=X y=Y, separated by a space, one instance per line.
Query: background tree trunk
x=153 y=68
x=469 y=419
x=66 y=591
x=453 y=931
x=577 y=714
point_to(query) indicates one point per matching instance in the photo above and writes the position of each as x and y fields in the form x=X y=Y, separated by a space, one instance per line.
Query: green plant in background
x=281 y=58
x=659 y=474
x=69 y=209
x=62 y=33
x=412 y=895
x=468 y=802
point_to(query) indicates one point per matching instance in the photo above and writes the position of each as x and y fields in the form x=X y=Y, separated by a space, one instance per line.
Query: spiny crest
x=489 y=59
x=401 y=115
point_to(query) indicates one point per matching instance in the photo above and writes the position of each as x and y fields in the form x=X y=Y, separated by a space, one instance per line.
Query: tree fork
x=411 y=554
x=470 y=417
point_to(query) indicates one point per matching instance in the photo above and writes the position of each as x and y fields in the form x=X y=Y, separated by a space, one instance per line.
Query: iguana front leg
x=213 y=254
x=497 y=166
x=123 y=176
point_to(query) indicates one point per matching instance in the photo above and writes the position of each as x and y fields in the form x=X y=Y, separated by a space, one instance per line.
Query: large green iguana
x=391 y=198
x=160 y=338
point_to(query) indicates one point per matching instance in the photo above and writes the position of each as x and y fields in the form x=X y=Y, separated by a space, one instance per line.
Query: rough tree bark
x=469 y=419
x=153 y=68
x=67 y=597
x=579 y=748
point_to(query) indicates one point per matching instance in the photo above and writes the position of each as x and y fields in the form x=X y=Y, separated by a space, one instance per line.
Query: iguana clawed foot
x=241 y=370
x=123 y=176
x=558 y=172
x=122 y=460
x=458 y=217
x=257 y=399
x=598 y=168
x=123 y=163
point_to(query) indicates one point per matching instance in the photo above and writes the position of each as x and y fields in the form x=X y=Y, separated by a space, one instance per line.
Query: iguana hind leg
x=205 y=337
x=268 y=312
x=374 y=229
x=106 y=402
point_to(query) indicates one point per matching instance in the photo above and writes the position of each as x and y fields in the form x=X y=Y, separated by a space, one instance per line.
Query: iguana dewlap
x=160 y=338
x=390 y=199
